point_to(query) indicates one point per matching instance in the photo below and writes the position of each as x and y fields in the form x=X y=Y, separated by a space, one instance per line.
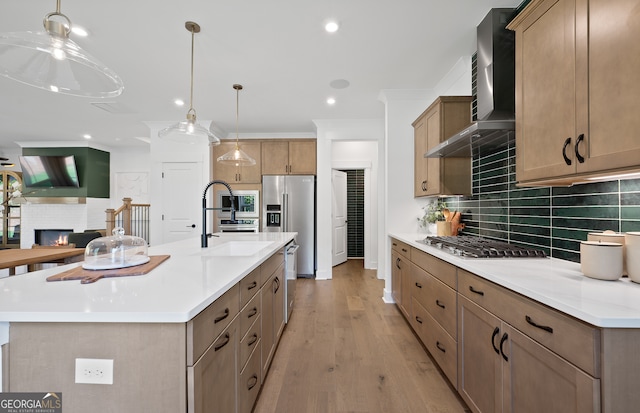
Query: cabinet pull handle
x=533 y=323
x=251 y=383
x=404 y=250
x=276 y=282
x=394 y=244
x=424 y=185
x=439 y=304
x=253 y=312
x=504 y=338
x=222 y=317
x=418 y=285
x=579 y=157
x=227 y=338
x=252 y=285
x=254 y=338
x=564 y=151
x=473 y=290
x=496 y=331
x=418 y=319
x=398 y=263
x=440 y=347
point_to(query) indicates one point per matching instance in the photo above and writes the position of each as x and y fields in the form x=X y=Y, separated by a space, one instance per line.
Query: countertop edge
x=566 y=271
x=126 y=316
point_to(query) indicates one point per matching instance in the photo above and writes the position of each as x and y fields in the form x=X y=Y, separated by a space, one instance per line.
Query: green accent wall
x=93 y=168
x=554 y=219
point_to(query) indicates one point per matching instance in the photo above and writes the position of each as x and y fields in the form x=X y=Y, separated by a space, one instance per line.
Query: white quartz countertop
x=175 y=291
x=556 y=283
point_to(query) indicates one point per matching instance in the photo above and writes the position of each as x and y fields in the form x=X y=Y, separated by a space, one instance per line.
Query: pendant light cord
x=191 y=95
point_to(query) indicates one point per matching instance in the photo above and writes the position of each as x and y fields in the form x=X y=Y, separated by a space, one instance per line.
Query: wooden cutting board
x=91 y=276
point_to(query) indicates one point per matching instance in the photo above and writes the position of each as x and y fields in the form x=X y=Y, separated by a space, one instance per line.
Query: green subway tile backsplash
x=554 y=219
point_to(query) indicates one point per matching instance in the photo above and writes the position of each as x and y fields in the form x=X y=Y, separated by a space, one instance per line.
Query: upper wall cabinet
x=295 y=157
x=577 y=83
x=237 y=174
x=441 y=176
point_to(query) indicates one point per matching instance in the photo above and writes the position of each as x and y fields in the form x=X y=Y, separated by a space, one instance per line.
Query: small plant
x=432 y=213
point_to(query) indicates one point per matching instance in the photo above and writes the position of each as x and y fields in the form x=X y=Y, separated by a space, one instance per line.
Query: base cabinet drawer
x=437 y=298
x=249 y=383
x=249 y=342
x=441 y=345
x=249 y=314
x=207 y=325
x=211 y=382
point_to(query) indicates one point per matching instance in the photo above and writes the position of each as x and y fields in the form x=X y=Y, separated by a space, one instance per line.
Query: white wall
x=402 y=107
x=363 y=155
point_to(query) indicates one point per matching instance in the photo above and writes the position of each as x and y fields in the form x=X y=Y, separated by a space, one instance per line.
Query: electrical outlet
x=94 y=371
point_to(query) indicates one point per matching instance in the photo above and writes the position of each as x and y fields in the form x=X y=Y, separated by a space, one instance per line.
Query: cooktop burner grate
x=478 y=247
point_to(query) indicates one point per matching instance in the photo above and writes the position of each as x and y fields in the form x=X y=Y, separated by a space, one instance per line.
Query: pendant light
x=50 y=60
x=189 y=131
x=237 y=156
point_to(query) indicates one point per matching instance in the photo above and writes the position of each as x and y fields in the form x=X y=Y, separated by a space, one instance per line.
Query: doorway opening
x=355 y=213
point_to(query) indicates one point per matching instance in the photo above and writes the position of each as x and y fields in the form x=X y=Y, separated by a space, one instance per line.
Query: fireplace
x=52 y=237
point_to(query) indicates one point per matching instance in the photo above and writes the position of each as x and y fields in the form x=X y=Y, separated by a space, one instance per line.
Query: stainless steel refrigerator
x=288 y=205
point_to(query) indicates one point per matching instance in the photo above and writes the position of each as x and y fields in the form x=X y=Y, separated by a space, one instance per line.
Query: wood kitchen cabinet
x=531 y=368
x=212 y=379
x=441 y=176
x=503 y=370
x=237 y=174
x=401 y=276
x=294 y=157
x=273 y=302
x=576 y=86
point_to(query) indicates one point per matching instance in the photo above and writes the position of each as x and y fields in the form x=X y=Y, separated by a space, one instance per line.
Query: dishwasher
x=291 y=274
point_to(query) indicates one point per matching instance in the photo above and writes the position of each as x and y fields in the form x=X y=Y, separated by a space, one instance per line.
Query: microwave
x=247 y=203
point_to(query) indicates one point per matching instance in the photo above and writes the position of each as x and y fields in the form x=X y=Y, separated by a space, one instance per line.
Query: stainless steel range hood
x=494 y=91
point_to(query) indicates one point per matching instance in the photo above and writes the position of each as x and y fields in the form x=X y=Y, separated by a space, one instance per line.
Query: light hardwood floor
x=345 y=350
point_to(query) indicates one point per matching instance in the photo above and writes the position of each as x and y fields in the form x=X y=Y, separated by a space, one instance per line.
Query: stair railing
x=134 y=218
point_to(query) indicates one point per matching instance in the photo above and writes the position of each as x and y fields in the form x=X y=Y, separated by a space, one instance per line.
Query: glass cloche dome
x=116 y=251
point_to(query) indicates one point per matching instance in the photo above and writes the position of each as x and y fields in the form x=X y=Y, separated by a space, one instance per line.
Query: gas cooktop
x=478 y=247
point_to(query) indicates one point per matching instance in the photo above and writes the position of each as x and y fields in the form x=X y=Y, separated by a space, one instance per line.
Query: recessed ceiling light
x=331 y=27
x=179 y=102
x=86 y=136
x=80 y=31
x=331 y=101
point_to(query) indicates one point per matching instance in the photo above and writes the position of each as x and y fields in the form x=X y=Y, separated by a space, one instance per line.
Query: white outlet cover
x=94 y=371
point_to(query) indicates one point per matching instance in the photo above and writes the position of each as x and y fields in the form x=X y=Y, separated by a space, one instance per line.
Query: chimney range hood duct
x=494 y=123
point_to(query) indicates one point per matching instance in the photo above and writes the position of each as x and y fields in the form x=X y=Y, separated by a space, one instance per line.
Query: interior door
x=339 y=216
x=181 y=200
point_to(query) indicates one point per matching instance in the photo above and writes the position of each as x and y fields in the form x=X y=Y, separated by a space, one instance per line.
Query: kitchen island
x=521 y=334
x=157 y=328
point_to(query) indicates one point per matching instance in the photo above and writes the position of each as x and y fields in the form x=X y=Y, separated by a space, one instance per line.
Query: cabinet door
x=267 y=325
x=479 y=361
x=302 y=158
x=396 y=279
x=611 y=136
x=545 y=92
x=279 y=303
x=212 y=380
x=537 y=380
x=275 y=158
x=433 y=135
x=237 y=174
x=420 y=163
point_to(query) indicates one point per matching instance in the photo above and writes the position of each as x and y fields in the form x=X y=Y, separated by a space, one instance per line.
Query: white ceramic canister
x=611 y=236
x=632 y=242
x=601 y=260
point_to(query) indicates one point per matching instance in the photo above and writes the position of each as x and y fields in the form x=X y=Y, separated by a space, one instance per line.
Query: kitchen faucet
x=205 y=237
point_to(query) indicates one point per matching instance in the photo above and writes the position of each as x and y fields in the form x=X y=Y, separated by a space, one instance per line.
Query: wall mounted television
x=49 y=171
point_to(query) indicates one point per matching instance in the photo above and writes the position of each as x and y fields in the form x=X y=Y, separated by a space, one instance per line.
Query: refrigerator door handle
x=285 y=212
